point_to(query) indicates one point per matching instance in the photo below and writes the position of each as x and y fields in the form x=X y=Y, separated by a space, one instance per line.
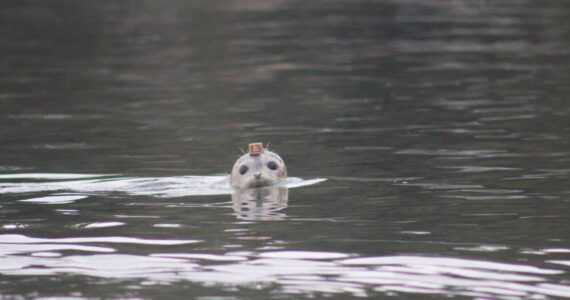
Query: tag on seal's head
x=255 y=149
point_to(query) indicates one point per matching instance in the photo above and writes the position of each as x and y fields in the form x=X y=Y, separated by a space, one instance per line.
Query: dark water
x=442 y=127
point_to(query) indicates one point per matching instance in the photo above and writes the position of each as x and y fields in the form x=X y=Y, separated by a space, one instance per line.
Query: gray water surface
x=442 y=129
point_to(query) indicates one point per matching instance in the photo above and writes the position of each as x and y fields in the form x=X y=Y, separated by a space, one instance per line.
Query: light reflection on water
x=294 y=271
x=441 y=126
x=248 y=204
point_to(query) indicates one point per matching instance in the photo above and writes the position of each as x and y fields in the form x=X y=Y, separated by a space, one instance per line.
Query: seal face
x=257 y=168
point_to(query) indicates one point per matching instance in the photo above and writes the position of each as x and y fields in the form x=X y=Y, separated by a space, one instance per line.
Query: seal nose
x=257 y=176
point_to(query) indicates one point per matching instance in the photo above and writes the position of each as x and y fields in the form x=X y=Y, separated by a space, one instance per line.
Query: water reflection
x=260 y=204
x=295 y=272
x=444 y=123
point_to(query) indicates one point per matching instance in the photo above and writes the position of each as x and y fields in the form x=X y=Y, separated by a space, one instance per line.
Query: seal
x=257 y=168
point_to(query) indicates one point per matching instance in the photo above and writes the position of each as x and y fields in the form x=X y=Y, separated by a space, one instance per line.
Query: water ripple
x=55 y=199
x=164 y=187
x=488 y=153
x=304 y=272
x=22 y=239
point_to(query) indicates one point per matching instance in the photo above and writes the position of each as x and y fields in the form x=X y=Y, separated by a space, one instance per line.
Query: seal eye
x=272 y=165
x=243 y=169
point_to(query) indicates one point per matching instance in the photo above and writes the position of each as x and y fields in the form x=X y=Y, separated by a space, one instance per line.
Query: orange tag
x=255 y=149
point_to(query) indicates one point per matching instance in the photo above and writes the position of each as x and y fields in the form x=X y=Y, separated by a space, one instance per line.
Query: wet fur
x=258 y=165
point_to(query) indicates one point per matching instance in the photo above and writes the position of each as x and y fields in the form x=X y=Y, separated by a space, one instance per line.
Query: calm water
x=442 y=128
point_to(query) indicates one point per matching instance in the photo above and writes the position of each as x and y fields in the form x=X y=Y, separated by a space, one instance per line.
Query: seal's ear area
x=255 y=149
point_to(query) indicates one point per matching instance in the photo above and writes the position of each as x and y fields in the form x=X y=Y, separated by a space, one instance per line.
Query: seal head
x=257 y=168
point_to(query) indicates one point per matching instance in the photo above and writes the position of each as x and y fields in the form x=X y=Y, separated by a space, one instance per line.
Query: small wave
x=297 y=272
x=50 y=176
x=56 y=199
x=22 y=239
x=163 y=187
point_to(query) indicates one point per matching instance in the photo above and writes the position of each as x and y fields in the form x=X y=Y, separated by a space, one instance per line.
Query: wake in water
x=163 y=187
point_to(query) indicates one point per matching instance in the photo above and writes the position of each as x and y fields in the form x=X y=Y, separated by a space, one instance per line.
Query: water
x=442 y=128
